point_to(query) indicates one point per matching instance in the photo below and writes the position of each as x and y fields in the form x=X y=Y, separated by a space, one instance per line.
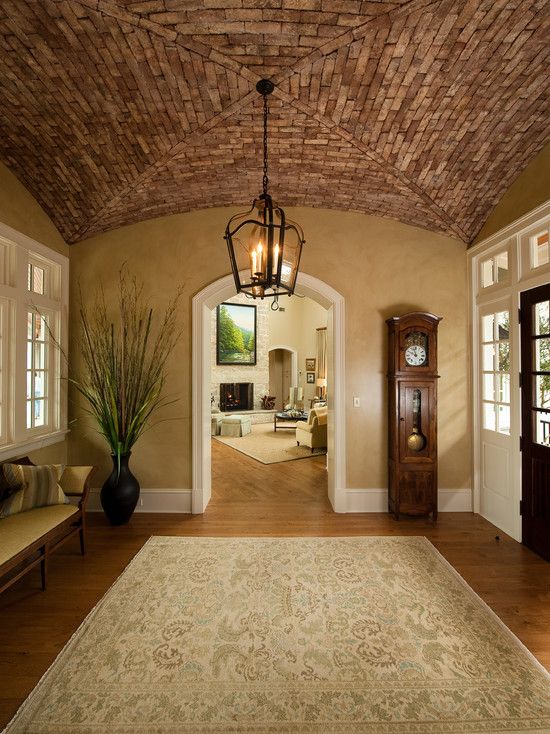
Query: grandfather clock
x=412 y=424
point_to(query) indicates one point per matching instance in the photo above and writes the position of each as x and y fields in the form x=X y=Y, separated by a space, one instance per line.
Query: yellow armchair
x=313 y=432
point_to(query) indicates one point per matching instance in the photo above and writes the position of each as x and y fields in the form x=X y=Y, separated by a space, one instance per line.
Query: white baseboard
x=358 y=500
x=151 y=500
x=376 y=500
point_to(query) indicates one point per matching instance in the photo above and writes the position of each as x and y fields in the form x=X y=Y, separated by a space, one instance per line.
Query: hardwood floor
x=254 y=499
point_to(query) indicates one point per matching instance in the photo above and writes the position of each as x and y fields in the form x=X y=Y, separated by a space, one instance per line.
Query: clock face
x=416 y=349
x=415 y=355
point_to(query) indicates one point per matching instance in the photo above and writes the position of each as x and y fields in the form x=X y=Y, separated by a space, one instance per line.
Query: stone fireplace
x=236 y=396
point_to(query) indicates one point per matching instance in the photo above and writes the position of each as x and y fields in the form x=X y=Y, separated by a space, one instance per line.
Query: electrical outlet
x=141 y=502
x=356 y=402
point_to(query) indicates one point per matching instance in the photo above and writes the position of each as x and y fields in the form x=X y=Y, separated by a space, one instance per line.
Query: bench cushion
x=40 y=487
x=19 y=531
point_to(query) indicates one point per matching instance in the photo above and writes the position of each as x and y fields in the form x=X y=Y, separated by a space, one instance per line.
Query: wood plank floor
x=249 y=498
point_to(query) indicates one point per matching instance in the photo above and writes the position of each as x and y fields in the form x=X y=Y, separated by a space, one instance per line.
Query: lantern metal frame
x=268 y=217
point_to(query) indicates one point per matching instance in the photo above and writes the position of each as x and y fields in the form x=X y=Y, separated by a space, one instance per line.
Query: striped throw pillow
x=40 y=487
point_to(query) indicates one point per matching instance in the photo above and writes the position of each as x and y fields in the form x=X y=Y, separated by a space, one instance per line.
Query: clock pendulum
x=416 y=440
x=412 y=413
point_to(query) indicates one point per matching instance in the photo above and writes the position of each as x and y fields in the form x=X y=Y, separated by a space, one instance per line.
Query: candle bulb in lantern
x=260 y=251
x=254 y=267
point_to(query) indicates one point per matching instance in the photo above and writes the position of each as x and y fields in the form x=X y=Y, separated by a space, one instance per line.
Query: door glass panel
x=504 y=389
x=542 y=428
x=488 y=327
x=542 y=391
x=503 y=325
x=542 y=317
x=542 y=355
x=504 y=419
x=495 y=367
x=489 y=417
x=503 y=357
x=489 y=357
x=489 y=386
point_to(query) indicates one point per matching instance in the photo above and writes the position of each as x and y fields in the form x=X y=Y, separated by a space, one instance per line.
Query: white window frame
x=16 y=251
x=528 y=270
x=516 y=238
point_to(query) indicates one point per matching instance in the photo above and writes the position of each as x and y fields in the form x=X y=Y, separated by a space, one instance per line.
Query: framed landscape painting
x=236 y=334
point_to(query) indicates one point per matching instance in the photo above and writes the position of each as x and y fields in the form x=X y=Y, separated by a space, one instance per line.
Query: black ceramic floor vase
x=120 y=493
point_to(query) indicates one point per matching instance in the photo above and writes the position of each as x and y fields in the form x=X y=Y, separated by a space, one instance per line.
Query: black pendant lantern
x=262 y=241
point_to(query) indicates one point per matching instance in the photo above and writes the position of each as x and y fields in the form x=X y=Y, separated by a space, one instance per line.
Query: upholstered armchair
x=313 y=432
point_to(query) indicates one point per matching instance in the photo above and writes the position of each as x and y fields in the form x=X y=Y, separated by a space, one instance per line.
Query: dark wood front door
x=535 y=401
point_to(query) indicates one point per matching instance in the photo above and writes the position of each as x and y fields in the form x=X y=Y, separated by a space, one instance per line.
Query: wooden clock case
x=412 y=471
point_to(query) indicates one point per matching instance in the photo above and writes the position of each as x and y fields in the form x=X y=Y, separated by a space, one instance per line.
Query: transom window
x=35 y=278
x=539 y=249
x=494 y=269
x=495 y=365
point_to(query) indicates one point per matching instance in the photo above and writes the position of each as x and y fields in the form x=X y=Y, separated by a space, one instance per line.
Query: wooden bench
x=27 y=539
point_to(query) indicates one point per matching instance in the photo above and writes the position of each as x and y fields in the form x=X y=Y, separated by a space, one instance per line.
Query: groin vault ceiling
x=114 y=111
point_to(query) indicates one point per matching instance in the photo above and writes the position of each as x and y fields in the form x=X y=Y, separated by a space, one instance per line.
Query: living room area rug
x=289 y=635
x=269 y=446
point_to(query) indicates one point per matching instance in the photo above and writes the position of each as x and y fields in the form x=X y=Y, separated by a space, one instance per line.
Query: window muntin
x=495 y=269
x=495 y=371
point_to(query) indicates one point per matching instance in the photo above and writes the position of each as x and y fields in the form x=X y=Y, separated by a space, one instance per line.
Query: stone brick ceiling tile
x=429 y=108
x=263 y=35
x=446 y=95
x=308 y=166
x=89 y=102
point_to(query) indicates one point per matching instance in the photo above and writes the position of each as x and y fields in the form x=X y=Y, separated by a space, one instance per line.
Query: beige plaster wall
x=530 y=189
x=20 y=210
x=380 y=266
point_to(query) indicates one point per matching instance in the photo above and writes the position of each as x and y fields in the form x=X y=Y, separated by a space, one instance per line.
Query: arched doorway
x=203 y=303
x=283 y=372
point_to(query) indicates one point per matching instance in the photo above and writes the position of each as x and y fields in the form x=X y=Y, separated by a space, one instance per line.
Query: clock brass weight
x=412 y=405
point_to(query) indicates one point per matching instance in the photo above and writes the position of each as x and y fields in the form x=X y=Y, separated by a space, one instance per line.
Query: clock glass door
x=535 y=395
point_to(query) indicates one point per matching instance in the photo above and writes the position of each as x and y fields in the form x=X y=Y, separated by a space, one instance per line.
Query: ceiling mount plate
x=265 y=86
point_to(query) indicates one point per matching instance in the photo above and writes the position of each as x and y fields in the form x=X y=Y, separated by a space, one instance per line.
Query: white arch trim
x=203 y=303
x=293 y=360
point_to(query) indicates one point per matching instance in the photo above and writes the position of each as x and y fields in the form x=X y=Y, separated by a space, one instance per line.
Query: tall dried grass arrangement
x=125 y=362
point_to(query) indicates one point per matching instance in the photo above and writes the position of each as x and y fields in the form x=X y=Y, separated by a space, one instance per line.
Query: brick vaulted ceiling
x=113 y=111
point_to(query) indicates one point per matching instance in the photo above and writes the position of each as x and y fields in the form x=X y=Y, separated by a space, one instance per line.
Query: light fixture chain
x=266 y=112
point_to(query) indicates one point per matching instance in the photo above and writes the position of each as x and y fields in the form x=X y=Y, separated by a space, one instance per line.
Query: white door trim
x=203 y=303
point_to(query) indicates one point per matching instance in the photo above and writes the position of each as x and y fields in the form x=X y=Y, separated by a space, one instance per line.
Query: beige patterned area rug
x=269 y=446
x=296 y=635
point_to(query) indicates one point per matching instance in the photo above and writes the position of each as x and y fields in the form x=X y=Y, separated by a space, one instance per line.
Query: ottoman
x=236 y=425
x=216 y=424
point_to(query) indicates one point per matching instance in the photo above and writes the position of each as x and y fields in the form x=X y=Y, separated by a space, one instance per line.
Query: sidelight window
x=495 y=365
